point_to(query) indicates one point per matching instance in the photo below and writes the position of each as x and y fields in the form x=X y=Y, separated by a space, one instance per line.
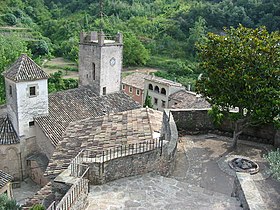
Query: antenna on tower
x=101 y=15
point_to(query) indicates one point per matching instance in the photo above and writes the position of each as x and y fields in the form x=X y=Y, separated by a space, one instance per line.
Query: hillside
x=157 y=33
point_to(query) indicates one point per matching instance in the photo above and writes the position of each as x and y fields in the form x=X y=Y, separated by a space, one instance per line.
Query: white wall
x=29 y=107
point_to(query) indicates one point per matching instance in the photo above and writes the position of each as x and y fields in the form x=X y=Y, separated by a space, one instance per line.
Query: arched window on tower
x=151 y=87
x=163 y=91
x=157 y=89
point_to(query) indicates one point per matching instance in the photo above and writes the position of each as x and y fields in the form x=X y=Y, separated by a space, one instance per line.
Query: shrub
x=273 y=158
x=10 y=19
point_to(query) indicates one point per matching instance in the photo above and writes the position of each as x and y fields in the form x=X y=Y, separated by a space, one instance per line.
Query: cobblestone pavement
x=154 y=192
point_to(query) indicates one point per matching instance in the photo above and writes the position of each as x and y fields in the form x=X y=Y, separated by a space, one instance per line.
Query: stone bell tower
x=100 y=62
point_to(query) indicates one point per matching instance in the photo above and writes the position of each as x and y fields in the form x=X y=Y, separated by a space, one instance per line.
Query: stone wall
x=198 y=121
x=247 y=192
x=160 y=160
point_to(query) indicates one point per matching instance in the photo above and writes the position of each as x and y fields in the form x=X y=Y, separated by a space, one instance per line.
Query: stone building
x=34 y=121
x=133 y=85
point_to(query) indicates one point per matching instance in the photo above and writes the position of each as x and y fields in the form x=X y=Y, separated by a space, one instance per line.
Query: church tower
x=100 y=62
x=26 y=94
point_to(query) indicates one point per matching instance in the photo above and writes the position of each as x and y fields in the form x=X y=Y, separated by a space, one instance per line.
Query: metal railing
x=89 y=156
x=73 y=194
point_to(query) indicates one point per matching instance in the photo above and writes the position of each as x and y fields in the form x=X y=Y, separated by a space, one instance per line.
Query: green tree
x=242 y=70
x=8 y=204
x=197 y=35
x=134 y=51
x=11 y=47
x=10 y=19
x=148 y=101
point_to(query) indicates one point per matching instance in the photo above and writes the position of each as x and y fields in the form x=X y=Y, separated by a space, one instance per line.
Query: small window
x=130 y=89
x=104 y=90
x=32 y=91
x=123 y=87
x=163 y=91
x=93 y=71
x=10 y=90
x=151 y=87
x=31 y=123
x=138 y=92
x=155 y=101
x=163 y=103
x=157 y=89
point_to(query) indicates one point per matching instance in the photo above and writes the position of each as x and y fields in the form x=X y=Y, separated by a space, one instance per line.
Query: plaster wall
x=161 y=98
x=22 y=108
x=138 y=98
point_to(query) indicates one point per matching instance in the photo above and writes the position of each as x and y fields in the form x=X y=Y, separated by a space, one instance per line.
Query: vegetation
x=148 y=101
x=56 y=83
x=160 y=33
x=241 y=70
x=8 y=204
x=273 y=158
x=38 y=207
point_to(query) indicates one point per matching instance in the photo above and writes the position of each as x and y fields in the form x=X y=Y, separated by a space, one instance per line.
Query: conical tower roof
x=8 y=134
x=25 y=69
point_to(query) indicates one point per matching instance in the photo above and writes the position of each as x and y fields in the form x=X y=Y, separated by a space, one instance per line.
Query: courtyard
x=202 y=179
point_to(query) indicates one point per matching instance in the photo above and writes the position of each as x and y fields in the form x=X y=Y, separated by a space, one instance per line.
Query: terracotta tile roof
x=163 y=81
x=188 y=100
x=76 y=104
x=136 y=80
x=8 y=134
x=5 y=178
x=25 y=69
x=104 y=133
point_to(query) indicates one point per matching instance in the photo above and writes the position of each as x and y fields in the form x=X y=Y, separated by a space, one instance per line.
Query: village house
x=164 y=93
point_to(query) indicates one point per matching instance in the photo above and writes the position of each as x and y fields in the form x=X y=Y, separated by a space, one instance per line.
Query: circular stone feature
x=244 y=165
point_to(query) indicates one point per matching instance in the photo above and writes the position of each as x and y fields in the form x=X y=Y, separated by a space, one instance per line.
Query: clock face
x=112 y=61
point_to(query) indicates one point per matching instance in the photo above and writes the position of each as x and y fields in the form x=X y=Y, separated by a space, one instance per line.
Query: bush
x=273 y=158
x=10 y=19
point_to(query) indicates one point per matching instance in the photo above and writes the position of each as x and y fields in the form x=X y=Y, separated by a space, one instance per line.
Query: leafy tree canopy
x=242 y=70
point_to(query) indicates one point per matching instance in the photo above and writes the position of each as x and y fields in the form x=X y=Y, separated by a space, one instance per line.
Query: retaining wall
x=198 y=121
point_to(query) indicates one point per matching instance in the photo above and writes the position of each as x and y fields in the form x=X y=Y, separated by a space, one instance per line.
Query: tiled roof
x=76 y=104
x=163 y=81
x=103 y=133
x=136 y=80
x=5 y=178
x=8 y=134
x=188 y=100
x=25 y=69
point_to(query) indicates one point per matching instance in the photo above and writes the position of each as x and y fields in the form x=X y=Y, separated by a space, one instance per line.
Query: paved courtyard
x=202 y=179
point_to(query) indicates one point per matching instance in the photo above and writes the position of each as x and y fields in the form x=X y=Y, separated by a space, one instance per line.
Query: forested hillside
x=157 y=33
